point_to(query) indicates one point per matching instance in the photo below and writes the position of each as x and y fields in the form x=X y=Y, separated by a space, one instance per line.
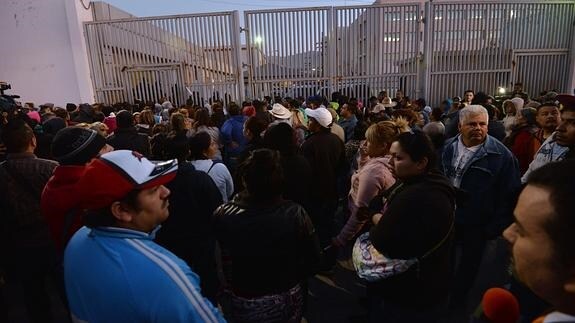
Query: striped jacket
x=120 y=275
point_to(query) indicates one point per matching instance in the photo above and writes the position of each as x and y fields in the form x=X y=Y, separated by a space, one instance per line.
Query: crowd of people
x=224 y=211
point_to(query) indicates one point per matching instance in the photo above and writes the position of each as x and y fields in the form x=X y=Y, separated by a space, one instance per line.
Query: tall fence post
x=237 y=45
x=331 y=45
x=427 y=50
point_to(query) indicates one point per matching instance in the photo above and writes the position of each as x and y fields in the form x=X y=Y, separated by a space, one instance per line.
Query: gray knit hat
x=76 y=145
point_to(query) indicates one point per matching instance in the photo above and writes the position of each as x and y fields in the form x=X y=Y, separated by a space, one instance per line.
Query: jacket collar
x=122 y=233
x=489 y=146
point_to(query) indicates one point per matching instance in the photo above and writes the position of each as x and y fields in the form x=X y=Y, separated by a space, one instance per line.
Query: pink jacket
x=372 y=178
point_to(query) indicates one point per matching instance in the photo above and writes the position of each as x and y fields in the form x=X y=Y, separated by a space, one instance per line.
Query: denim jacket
x=489 y=185
x=549 y=152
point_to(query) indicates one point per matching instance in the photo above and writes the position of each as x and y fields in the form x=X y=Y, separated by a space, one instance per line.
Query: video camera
x=7 y=102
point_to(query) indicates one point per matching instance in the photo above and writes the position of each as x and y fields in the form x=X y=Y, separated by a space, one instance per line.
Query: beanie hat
x=76 y=145
x=113 y=175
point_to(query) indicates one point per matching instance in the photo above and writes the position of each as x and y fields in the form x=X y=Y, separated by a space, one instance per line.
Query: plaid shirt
x=22 y=179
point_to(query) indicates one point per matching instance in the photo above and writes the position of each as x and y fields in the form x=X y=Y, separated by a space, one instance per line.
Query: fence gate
x=484 y=46
x=377 y=48
x=288 y=51
x=174 y=57
x=355 y=50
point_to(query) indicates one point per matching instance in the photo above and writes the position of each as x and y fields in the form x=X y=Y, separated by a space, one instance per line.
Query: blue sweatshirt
x=121 y=275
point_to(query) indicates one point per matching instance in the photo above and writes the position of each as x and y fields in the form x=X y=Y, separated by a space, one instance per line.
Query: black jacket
x=265 y=249
x=193 y=198
x=130 y=139
x=419 y=215
x=325 y=153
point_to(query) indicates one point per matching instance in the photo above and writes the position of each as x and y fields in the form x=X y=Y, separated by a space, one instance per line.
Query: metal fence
x=432 y=50
x=484 y=46
x=174 y=57
x=353 y=50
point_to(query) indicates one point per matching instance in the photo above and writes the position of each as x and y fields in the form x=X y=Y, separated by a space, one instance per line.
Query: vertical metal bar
x=212 y=39
x=100 y=61
x=88 y=28
x=428 y=51
x=236 y=43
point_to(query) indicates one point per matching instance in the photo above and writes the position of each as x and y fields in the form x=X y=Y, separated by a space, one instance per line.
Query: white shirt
x=464 y=155
x=219 y=174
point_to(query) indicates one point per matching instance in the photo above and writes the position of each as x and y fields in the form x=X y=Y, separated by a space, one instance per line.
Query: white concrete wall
x=43 y=53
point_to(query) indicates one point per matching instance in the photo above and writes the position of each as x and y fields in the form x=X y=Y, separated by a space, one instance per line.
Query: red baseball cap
x=113 y=175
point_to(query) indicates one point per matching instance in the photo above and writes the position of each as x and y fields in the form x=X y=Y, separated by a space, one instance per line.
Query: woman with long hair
x=146 y=122
x=202 y=122
x=416 y=223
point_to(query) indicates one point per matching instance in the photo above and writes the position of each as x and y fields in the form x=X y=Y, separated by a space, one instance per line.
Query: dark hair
x=234 y=109
x=490 y=111
x=262 y=174
x=178 y=122
x=418 y=146
x=280 y=137
x=359 y=130
x=436 y=113
x=559 y=179
x=217 y=116
x=71 y=107
x=107 y=109
x=104 y=218
x=177 y=146
x=124 y=119
x=62 y=113
x=255 y=125
x=198 y=144
x=547 y=104
x=16 y=135
x=202 y=117
x=99 y=116
x=529 y=114
x=480 y=98
x=351 y=107
x=258 y=105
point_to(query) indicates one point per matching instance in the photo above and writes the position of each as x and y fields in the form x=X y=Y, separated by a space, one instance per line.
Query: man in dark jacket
x=326 y=154
x=188 y=231
x=127 y=137
x=487 y=175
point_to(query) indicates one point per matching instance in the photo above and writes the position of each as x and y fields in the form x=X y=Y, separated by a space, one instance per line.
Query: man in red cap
x=113 y=270
x=561 y=144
